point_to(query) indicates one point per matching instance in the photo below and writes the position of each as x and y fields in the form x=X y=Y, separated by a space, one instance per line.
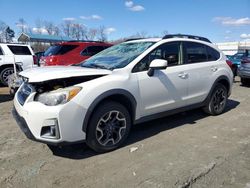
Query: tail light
x=229 y=63
x=35 y=60
x=244 y=61
x=50 y=61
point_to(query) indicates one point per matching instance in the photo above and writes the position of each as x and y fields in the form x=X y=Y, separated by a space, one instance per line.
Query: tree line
x=69 y=28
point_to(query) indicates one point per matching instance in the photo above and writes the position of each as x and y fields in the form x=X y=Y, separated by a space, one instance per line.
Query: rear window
x=92 y=50
x=59 y=49
x=19 y=50
x=212 y=54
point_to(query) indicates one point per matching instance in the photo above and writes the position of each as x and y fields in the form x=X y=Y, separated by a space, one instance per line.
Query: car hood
x=41 y=74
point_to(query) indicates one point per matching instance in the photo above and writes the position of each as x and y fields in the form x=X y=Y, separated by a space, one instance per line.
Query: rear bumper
x=244 y=72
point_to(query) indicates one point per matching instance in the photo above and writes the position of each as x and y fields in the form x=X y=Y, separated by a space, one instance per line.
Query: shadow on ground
x=5 y=98
x=141 y=131
x=4 y=94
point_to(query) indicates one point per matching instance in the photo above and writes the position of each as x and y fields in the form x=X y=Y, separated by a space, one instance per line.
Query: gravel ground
x=185 y=150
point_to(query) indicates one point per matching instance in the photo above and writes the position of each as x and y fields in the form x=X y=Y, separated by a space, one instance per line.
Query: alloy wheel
x=219 y=100
x=111 y=128
x=5 y=75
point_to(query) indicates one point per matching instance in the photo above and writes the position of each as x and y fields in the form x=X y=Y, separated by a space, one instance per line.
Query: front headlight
x=59 y=96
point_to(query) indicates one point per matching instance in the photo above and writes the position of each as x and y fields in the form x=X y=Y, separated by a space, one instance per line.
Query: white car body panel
x=168 y=89
x=56 y=72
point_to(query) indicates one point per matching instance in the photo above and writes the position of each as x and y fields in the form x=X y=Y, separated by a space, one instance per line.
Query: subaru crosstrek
x=138 y=80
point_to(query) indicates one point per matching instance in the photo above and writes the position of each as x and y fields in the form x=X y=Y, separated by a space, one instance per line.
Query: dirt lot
x=185 y=150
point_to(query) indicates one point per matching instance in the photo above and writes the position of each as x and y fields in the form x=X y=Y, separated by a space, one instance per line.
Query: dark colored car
x=244 y=71
x=236 y=61
x=72 y=52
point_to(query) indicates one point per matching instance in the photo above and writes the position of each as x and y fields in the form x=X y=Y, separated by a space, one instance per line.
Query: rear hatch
x=54 y=54
x=23 y=55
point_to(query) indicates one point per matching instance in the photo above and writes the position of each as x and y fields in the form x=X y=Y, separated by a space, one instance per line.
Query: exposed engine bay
x=51 y=85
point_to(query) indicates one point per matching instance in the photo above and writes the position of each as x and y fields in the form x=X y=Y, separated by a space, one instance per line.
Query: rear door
x=202 y=62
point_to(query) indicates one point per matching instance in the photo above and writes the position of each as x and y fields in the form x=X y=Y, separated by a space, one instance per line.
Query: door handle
x=214 y=69
x=183 y=75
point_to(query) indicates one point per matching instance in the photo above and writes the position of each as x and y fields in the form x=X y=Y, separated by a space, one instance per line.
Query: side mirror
x=157 y=64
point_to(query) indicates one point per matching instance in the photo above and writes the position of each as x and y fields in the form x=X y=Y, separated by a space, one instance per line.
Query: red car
x=71 y=52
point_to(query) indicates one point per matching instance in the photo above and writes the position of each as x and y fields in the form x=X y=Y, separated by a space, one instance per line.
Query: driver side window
x=168 y=51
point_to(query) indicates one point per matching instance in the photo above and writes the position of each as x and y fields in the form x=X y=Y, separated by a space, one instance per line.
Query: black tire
x=245 y=81
x=4 y=75
x=217 y=101
x=234 y=70
x=109 y=127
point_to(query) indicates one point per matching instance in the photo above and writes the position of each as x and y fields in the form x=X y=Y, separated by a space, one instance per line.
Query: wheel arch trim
x=105 y=96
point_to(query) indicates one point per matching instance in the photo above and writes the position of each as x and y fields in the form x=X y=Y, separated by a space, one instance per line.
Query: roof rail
x=131 y=39
x=82 y=41
x=186 y=36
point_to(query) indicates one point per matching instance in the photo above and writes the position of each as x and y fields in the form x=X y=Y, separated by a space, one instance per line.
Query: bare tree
x=141 y=34
x=22 y=25
x=102 y=36
x=92 y=34
x=77 y=31
x=84 y=32
x=66 y=27
x=39 y=25
x=165 y=32
x=49 y=27
x=3 y=27
x=56 y=31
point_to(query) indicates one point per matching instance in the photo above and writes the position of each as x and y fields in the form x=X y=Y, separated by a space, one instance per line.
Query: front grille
x=24 y=92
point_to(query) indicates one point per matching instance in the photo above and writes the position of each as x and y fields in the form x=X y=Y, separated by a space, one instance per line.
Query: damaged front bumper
x=53 y=125
x=14 y=82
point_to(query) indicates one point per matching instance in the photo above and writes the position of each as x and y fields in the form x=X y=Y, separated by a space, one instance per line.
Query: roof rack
x=133 y=39
x=186 y=36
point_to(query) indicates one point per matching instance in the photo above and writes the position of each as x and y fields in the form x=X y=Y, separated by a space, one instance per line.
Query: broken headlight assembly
x=59 y=96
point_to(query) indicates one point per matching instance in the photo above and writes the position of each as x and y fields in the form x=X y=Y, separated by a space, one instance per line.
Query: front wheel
x=5 y=74
x=109 y=127
x=218 y=100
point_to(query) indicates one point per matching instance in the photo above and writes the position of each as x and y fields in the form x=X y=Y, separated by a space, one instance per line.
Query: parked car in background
x=244 y=70
x=38 y=56
x=236 y=61
x=20 y=55
x=136 y=81
x=72 y=52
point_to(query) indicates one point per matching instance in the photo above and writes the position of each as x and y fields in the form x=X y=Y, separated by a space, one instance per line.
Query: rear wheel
x=109 y=127
x=4 y=75
x=218 y=100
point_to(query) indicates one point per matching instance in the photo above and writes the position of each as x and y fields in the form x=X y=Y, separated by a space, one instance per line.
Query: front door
x=167 y=88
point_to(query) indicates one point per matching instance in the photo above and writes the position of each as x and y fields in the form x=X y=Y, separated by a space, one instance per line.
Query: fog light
x=50 y=131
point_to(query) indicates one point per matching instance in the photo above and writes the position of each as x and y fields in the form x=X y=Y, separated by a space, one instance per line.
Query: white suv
x=129 y=83
x=22 y=56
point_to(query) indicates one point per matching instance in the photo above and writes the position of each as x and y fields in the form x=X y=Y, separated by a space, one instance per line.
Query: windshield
x=117 y=56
